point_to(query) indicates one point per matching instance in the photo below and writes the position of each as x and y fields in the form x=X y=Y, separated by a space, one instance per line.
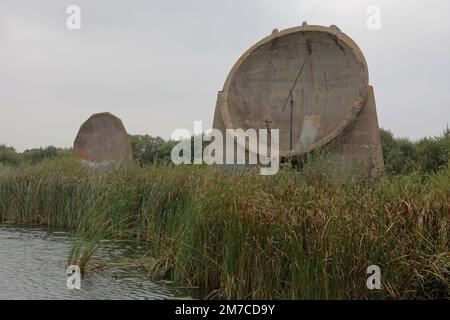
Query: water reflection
x=33 y=262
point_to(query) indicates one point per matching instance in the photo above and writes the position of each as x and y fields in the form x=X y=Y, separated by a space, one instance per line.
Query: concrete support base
x=359 y=147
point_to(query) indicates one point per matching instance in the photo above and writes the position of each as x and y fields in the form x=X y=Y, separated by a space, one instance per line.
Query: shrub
x=148 y=150
x=8 y=156
x=403 y=156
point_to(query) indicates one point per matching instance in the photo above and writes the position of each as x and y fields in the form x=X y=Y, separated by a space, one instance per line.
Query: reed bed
x=296 y=235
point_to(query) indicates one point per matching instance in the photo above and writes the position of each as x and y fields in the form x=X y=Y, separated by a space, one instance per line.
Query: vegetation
x=402 y=156
x=300 y=234
x=150 y=150
x=294 y=235
x=10 y=157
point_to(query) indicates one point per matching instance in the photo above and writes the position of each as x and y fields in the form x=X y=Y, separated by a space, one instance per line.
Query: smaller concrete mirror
x=103 y=141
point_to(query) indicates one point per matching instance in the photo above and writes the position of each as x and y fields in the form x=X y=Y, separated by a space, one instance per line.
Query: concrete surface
x=360 y=145
x=328 y=97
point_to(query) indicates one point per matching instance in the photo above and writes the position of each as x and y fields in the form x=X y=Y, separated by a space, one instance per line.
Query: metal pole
x=291 y=121
x=291 y=98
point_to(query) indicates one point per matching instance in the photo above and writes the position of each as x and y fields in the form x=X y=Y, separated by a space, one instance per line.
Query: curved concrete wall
x=328 y=95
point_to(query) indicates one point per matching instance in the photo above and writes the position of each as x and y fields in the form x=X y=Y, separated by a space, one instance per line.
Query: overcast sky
x=159 y=64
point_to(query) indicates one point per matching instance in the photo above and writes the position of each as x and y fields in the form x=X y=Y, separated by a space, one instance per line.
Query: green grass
x=296 y=235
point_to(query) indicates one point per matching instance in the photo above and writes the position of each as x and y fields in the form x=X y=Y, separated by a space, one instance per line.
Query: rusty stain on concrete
x=310 y=129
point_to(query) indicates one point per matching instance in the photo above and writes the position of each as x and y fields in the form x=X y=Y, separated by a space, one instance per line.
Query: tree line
x=401 y=155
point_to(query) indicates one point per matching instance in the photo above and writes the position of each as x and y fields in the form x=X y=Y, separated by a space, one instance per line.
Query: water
x=33 y=266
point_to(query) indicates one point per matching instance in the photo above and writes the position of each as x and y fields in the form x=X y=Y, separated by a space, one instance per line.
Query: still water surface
x=33 y=266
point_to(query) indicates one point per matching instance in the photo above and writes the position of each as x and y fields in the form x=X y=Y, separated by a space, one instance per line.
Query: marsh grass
x=296 y=235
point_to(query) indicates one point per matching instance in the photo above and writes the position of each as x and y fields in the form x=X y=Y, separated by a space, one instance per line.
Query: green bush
x=433 y=153
x=426 y=156
x=34 y=156
x=148 y=150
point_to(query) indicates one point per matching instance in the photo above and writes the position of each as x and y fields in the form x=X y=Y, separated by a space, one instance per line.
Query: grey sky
x=159 y=64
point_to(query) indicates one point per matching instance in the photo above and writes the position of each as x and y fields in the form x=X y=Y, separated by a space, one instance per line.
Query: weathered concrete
x=103 y=140
x=327 y=98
